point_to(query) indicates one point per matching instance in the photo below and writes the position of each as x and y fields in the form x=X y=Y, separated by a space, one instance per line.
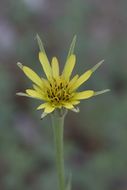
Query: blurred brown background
x=96 y=138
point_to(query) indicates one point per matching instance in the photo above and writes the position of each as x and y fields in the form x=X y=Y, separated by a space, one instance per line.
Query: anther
x=61 y=85
x=67 y=96
x=56 y=89
x=53 y=94
x=56 y=98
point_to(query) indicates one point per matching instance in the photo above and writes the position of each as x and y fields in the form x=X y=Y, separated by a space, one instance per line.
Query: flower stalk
x=58 y=129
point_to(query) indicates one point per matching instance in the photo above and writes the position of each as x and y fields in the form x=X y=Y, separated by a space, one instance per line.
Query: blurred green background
x=95 y=138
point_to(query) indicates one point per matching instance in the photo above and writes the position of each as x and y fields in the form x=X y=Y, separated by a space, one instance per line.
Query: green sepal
x=22 y=94
x=69 y=185
x=40 y=44
x=101 y=92
x=97 y=66
x=72 y=46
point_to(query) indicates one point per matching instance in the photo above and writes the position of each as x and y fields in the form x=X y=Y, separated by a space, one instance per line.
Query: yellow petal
x=42 y=106
x=75 y=102
x=68 y=68
x=46 y=83
x=35 y=94
x=32 y=76
x=55 y=67
x=45 y=64
x=38 y=89
x=27 y=95
x=49 y=108
x=72 y=81
x=84 y=94
x=68 y=105
x=84 y=77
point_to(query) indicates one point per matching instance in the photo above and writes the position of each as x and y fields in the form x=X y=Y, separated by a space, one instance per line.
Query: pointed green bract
x=72 y=46
x=22 y=94
x=40 y=44
x=20 y=65
x=68 y=187
x=101 y=92
x=97 y=66
x=43 y=115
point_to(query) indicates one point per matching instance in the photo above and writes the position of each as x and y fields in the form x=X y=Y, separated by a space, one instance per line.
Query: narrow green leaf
x=40 y=44
x=68 y=187
x=72 y=46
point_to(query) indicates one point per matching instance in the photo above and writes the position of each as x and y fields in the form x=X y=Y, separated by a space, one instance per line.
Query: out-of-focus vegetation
x=96 y=138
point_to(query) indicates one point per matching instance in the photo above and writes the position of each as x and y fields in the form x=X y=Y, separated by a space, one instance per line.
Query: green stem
x=58 y=128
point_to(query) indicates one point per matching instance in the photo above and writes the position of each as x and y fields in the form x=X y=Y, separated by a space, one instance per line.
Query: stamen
x=61 y=85
x=53 y=94
x=55 y=85
x=58 y=92
x=56 y=99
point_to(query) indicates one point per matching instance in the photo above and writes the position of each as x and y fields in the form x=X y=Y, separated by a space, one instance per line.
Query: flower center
x=58 y=92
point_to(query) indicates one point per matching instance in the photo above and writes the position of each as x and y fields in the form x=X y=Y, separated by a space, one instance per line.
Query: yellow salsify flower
x=58 y=90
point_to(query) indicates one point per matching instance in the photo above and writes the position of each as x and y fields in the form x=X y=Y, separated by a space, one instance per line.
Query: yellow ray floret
x=69 y=66
x=42 y=106
x=35 y=94
x=83 y=95
x=84 y=77
x=49 y=108
x=68 y=105
x=45 y=64
x=31 y=75
x=55 y=67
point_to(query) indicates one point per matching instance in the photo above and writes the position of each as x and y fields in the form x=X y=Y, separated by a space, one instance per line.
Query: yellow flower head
x=58 y=90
